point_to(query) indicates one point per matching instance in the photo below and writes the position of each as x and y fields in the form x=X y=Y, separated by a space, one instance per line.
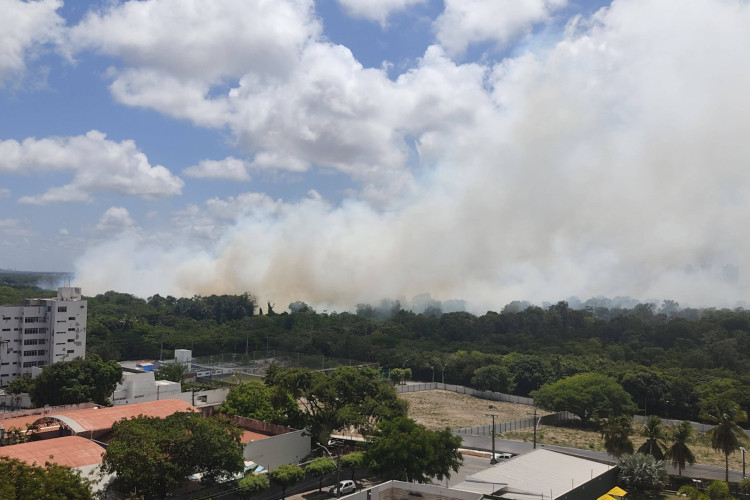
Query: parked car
x=502 y=456
x=347 y=487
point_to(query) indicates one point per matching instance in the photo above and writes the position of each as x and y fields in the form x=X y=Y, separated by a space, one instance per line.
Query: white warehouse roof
x=538 y=474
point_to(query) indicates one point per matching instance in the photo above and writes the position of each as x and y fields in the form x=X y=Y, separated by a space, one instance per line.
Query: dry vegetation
x=440 y=409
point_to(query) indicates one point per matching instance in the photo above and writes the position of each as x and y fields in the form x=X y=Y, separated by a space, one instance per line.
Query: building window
x=71 y=351
x=31 y=319
x=71 y=329
x=31 y=342
x=62 y=309
x=72 y=318
x=6 y=329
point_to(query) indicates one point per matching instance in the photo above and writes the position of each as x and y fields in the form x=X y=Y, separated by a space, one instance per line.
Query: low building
x=141 y=386
x=543 y=474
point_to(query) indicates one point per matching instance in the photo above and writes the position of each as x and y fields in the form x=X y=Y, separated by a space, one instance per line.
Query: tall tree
x=616 y=432
x=77 y=381
x=654 y=445
x=151 y=456
x=586 y=395
x=678 y=452
x=726 y=435
x=402 y=449
x=349 y=397
x=254 y=399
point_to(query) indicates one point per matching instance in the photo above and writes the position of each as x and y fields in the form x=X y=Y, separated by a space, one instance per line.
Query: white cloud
x=202 y=40
x=229 y=168
x=611 y=164
x=25 y=27
x=96 y=163
x=116 y=220
x=471 y=21
x=377 y=10
x=4 y=193
x=64 y=232
x=15 y=228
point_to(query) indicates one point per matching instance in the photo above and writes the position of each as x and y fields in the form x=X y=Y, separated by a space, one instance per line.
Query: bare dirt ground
x=440 y=409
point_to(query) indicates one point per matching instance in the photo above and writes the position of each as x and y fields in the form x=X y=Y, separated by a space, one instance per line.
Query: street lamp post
x=743 y=461
x=338 y=469
x=493 y=460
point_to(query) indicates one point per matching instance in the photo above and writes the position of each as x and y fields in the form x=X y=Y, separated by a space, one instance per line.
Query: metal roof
x=72 y=451
x=540 y=473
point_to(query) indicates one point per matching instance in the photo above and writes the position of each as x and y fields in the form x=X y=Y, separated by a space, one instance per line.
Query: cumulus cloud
x=613 y=163
x=96 y=163
x=471 y=21
x=25 y=27
x=116 y=220
x=229 y=168
x=376 y=10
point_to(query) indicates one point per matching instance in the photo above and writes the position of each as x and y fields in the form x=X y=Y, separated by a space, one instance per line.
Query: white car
x=502 y=456
x=346 y=486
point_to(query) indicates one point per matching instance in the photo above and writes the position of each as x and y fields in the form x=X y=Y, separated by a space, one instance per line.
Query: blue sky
x=343 y=151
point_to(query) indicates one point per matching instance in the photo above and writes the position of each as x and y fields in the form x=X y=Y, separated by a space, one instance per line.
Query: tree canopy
x=348 y=397
x=402 y=449
x=151 y=456
x=287 y=475
x=586 y=395
x=254 y=399
x=20 y=481
x=76 y=381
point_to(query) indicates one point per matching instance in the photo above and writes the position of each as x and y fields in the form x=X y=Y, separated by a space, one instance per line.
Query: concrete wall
x=199 y=399
x=289 y=448
x=141 y=387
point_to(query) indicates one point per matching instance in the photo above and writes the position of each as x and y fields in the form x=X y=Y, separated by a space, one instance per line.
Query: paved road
x=517 y=447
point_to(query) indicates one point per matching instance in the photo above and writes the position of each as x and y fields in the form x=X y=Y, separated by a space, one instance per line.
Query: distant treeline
x=667 y=358
x=667 y=362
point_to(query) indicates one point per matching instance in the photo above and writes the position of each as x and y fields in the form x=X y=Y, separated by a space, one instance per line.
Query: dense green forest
x=668 y=359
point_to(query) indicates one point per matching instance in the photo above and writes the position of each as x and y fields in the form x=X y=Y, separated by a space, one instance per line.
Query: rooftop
x=541 y=473
x=102 y=418
x=72 y=451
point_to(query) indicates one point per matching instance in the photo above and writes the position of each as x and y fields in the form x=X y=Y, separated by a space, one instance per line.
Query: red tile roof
x=72 y=451
x=248 y=436
x=99 y=419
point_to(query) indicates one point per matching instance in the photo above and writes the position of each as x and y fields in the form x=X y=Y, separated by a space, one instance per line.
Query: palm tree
x=616 y=432
x=726 y=435
x=654 y=433
x=678 y=452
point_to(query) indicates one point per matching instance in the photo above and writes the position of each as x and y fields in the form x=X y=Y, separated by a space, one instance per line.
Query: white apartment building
x=41 y=332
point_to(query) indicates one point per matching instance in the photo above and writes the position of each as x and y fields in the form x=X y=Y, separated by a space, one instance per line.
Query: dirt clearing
x=441 y=409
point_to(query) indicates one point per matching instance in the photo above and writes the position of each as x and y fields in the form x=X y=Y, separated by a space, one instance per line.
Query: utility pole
x=536 y=422
x=493 y=460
